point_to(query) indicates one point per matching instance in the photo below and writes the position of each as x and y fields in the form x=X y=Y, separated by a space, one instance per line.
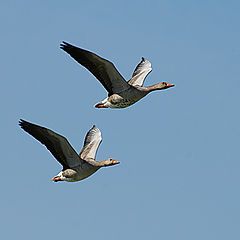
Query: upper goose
x=75 y=167
x=121 y=94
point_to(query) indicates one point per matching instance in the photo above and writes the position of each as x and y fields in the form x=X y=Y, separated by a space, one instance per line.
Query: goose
x=121 y=93
x=75 y=167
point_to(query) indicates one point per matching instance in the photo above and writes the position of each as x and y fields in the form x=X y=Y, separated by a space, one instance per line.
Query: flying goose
x=75 y=167
x=121 y=94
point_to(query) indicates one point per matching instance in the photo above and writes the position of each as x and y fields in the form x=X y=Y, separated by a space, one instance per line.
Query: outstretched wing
x=101 y=68
x=55 y=143
x=91 y=144
x=140 y=73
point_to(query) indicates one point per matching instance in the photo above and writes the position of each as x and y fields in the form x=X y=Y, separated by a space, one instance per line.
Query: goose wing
x=101 y=68
x=91 y=144
x=55 y=143
x=140 y=73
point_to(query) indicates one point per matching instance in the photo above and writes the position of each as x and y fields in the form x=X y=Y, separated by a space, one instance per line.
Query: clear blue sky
x=178 y=148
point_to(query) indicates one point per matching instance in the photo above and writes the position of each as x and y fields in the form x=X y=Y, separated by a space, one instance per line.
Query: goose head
x=159 y=86
x=163 y=85
x=109 y=162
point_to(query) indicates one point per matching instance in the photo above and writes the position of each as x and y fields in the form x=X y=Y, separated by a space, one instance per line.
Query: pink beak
x=170 y=85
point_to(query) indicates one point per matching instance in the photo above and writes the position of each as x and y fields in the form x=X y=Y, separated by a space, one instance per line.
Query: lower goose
x=75 y=167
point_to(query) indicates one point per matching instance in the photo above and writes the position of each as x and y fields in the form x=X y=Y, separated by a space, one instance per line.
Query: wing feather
x=101 y=68
x=140 y=73
x=91 y=144
x=55 y=143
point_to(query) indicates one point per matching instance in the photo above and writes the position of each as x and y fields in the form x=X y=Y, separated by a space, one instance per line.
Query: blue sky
x=178 y=148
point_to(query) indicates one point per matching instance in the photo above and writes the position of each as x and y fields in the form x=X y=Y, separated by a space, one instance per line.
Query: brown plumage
x=75 y=167
x=121 y=94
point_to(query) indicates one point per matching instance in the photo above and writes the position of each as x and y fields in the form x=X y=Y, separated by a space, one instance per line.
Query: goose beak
x=115 y=162
x=170 y=85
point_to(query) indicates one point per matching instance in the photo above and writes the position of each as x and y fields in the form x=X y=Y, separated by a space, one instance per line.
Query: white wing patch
x=91 y=144
x=140 y=73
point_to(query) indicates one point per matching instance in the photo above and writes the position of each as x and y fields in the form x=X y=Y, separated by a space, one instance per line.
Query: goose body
x=75 y=166
x=76 y=173
x=121 y=93
x=122 y=100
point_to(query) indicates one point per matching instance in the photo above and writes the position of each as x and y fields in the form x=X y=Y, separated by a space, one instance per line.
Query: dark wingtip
x=24 y=124
x=143 y=59
x=64 y=45
x=21 y=122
